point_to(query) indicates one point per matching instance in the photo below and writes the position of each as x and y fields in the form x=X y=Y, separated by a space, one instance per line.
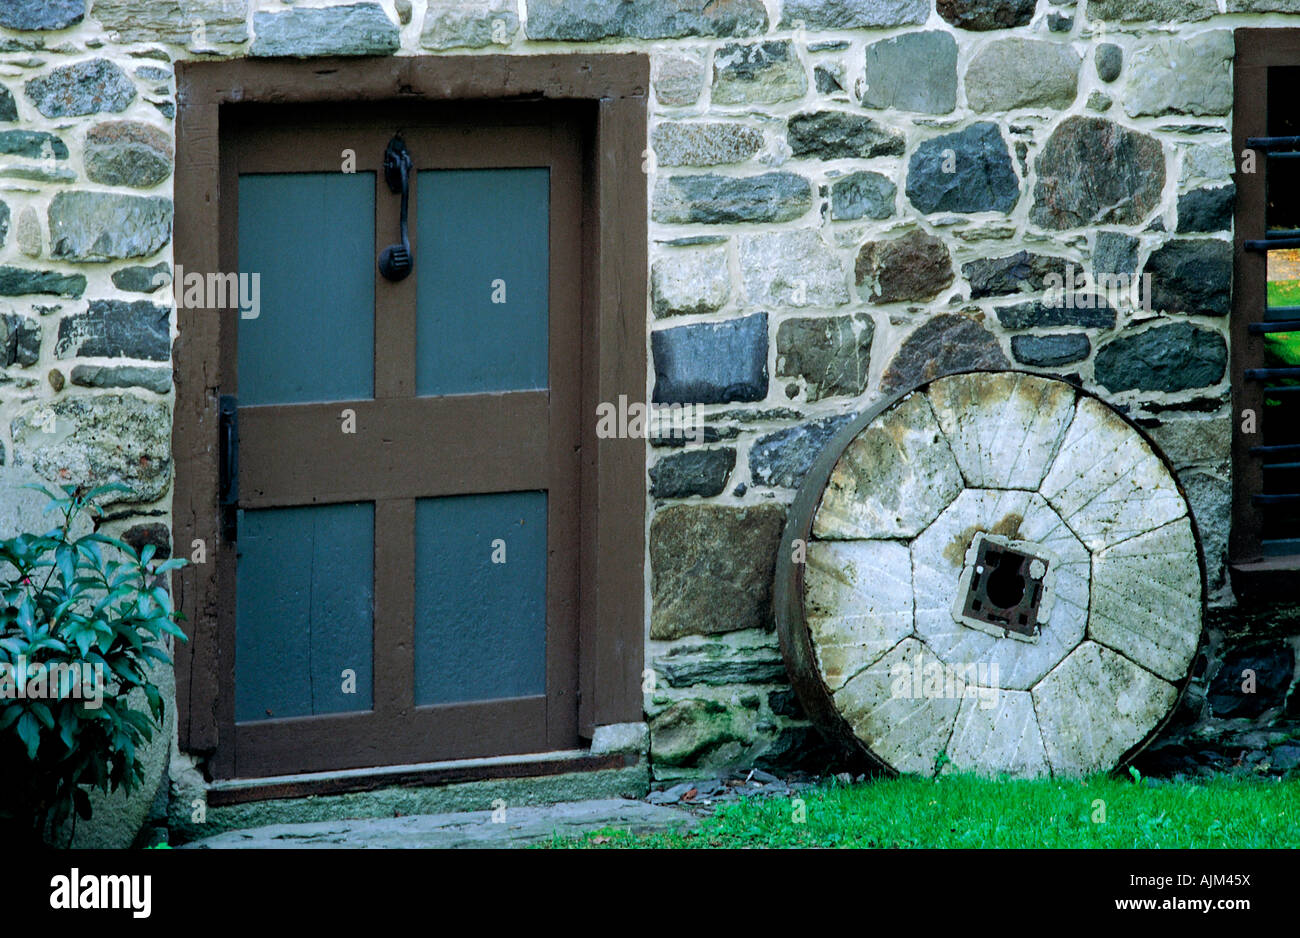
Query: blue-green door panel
x=311 y=239
x=482 y=237
x=304 y=610
x=480 y=624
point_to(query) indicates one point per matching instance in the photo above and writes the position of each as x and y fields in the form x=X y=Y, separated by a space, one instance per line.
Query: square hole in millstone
x=1002 y=588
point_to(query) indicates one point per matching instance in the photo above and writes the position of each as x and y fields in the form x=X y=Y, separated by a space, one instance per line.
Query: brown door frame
x=1254 y=576
x=611 y=92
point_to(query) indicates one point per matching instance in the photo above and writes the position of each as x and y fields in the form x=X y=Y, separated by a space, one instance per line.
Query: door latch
x=395 y=260
x=228 y=472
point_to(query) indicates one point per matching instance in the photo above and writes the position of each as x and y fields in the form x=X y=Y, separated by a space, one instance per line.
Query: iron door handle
x=395 y=260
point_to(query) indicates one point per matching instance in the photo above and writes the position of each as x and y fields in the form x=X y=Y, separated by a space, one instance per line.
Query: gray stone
x=1058 y=23
x=1086 y=310
x=705 y=734
x=158 y=380
x=19 y=281
x=1092 y=171
x=1210 y=498
x=141 y=535
x=1165 y=11
x=892 y=480
x=1110 y=59
x=1099 y=102
x=757 y=73
x=1115 y=253
x=717 y=665
x=38 y=172
x=916 y=266
x=4 y=222
x=829 y=79
x=1195 y=440
x=1209 y=161
x=711 y=568
x=473 y=24
x=722 y=200
x=1022 y=272
x=356 y=29
x=711 y=363
x=701 y=472
x=197 y=24
x=97 y=440
x=1183 y=75
x=1267 y=670
x=966 y=171
x=783 y=458
x=941 y=346
x=82 y=88
x=27 y=233
x=791 y=268
x=678 y=80
x=863 y=195
x=32 y=144
x=1207 y=209
x=853 y=14
x=403 y=9
x=1263 y=6
x=117 y=329
x=100 y=226
x=1050 y=351
x=41 y=14
x=704 y=143
x=142 y=279
x=1164 y=358
x=912 y=72
x=831 y=135
x=20 y=340
x=1013 y=73
x=1192 y=276
x=690 y=282
x=831 y=354
x=8 y=106
x=128 y=153
x=592 y=20
x=987 y=14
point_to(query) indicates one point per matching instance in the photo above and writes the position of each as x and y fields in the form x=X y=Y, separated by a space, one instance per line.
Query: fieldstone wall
x=847 y=196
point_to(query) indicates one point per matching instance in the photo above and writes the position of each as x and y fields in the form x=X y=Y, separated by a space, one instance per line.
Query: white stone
x=616 y=738
x=1181 y=75
x=1094 y=707
x=690 y=281
x=892 y=480
x=857 y=602
x=792 y=268
x=1208 y=162
x=905 y=729
x=1004 y=429
x=938 y=556
x=1146 y=599
x=1106 y=483
x=999 y=740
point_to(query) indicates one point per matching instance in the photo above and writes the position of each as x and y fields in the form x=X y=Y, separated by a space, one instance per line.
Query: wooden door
x=404 y=551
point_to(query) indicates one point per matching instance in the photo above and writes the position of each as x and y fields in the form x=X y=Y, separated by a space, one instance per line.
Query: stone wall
x=847 y=196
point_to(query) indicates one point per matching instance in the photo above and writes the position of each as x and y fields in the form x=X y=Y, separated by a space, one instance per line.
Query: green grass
x=1284 y=293
x=965 y=811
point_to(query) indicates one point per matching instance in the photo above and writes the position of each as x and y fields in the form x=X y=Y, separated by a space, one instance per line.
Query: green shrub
x=79 y=631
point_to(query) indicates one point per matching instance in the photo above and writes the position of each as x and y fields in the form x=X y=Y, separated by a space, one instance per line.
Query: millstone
x=993 y=573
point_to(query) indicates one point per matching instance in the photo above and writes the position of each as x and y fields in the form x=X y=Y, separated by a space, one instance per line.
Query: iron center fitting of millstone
x=1004 y=587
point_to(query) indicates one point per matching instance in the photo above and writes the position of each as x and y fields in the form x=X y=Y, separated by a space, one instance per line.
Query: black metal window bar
x=1279 y=500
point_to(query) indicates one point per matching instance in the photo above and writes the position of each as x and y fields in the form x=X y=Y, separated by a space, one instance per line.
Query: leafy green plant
x=80 y=628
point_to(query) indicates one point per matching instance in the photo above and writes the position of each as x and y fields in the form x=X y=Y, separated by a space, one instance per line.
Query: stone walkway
x=522 y=827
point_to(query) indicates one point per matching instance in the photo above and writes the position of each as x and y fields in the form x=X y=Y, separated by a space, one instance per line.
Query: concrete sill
x=425 y=774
